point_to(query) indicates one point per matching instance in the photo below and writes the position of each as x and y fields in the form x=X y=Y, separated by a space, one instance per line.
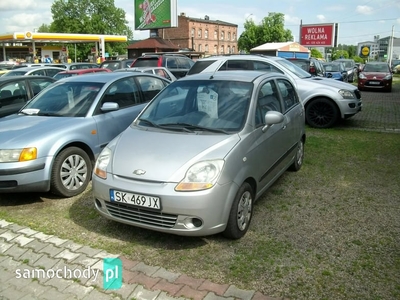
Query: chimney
x=206 y=17
x=183 y=14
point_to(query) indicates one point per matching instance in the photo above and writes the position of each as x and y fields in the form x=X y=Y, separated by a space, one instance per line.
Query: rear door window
x=199 y=66
x=146 y=62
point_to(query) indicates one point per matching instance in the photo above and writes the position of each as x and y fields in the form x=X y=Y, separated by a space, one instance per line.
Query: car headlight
x=388 y=77
x=201 y=176
x=18 y=155
x=100 y=168
x=362 y=76
x=346 y=94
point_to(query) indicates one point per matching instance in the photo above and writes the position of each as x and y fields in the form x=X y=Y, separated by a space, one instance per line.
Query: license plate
x=374 y=82
x=140 y=200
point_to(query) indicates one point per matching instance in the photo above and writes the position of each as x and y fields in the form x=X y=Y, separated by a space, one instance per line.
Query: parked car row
x=188 y=156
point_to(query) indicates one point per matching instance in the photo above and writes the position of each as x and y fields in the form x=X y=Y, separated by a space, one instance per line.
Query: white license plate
x=374 y=82
x=140 y=200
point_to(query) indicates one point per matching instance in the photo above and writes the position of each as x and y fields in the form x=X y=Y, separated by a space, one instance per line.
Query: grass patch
x=330 y=231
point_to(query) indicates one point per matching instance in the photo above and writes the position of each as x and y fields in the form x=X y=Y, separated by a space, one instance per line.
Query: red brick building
x=203 y=35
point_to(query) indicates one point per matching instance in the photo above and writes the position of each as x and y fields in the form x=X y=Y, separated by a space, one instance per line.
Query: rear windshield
x=199 y=66
x=146 y=62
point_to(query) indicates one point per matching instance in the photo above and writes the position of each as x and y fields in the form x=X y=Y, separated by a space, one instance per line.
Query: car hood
x=375 y=75
x=166 y=156
x=22 y=130
x=333 y=83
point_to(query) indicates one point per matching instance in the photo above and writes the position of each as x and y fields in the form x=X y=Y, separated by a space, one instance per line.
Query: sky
x=359 y=21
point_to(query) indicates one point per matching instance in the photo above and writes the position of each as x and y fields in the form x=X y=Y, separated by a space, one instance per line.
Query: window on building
x=194 y=47
x=206 y=48
x=192 y=32
x=228 y=49
x=200 y=49
x=215 y=35
x=222 y=50
x=206 y=34
x=199 y=33
x=215 y=49
x=229 y=35
x=222 y=35
x=233 y=36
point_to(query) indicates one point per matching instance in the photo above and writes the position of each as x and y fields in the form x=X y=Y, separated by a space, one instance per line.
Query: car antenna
x=216 y=69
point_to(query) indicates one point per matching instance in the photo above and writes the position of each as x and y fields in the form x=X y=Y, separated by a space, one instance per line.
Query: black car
x=311 y=65
x=178 y=64
x=117 y=64
x=15 y=91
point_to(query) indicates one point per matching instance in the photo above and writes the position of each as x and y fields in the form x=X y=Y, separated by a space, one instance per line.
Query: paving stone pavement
x=34 y=265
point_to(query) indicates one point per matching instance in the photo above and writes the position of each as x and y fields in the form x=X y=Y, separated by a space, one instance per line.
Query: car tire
x=321 y=113
x=299 y=157
x=71 y=172
x=241 y=213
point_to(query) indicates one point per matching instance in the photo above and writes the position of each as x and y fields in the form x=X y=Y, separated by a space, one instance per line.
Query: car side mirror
x=271 y=118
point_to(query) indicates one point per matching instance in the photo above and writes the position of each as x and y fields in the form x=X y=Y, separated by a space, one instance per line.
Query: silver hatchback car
x=201 y=153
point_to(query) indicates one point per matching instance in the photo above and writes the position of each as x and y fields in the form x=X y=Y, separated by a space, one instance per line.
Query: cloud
x=364 y=9
x=292 y=20
x=321 y=18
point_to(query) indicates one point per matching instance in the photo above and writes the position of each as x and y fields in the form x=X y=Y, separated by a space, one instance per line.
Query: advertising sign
x=154 y=14
x=317 y=35
x=365 y=51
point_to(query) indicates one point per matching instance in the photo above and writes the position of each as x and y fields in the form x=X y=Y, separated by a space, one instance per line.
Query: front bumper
x=198 y=213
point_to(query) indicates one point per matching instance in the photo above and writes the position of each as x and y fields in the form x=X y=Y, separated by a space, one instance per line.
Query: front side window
x=288 y=93
x=12 y=93
x=267 y=100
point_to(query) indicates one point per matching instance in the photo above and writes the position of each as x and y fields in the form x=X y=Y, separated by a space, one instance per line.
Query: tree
x=339 y=54
x=315 y=53
x=90 y=17
x=270 y=30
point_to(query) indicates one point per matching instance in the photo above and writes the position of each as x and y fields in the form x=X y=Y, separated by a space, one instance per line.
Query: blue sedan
x=54 y=140
x=336 y=70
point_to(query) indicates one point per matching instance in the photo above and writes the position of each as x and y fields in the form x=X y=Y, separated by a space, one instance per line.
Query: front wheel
x=241 y=213
x=321 y=113
x=71 y=172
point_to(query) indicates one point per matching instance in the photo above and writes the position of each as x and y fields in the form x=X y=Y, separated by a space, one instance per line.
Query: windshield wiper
x=193 y=127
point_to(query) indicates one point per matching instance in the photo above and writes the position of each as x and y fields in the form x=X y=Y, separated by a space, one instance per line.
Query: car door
x=125 y=92
x=269 y=147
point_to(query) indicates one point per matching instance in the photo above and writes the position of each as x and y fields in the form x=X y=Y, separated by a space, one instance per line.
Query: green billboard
x=153 y=14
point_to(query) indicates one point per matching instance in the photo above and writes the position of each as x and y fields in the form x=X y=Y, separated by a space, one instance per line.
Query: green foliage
x=89 y=17
x=315 y=53
x=270 y=30
x=339 y=54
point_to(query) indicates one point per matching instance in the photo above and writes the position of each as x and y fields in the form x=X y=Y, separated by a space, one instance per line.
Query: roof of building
x=207 y=20
x=154 y=43
x=282 y=46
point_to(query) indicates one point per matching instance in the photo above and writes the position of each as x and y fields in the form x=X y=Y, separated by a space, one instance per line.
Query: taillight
x=312 y=70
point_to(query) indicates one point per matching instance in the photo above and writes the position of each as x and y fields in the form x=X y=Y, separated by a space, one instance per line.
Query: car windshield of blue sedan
x=67 y=99
x=332 y=68
x=199 y=106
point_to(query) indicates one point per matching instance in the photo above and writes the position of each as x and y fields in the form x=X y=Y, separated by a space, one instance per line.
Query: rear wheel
x=299 y=157
x=321 y=113
x=241 y=213
x=71 y=172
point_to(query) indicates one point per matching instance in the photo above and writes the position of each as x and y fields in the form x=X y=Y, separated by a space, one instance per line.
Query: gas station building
x=31 y=46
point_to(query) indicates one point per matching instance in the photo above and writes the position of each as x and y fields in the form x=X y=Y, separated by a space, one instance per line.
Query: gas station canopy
x=42 y=37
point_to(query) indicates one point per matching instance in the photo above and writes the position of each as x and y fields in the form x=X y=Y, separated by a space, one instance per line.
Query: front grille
x=358 y=94
x=138 y=215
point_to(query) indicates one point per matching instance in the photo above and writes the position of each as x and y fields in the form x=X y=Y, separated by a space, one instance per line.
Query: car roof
x=19 y=77
x=240 y=56
x=37 y=67
x=103 y=77
x=77 y=71
x=234 y=75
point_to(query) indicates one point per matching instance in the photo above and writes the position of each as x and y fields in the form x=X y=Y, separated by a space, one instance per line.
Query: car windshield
x=293 y=69
x=376 y=68
x=206 y=106
x=65 y=99
x=332 y=67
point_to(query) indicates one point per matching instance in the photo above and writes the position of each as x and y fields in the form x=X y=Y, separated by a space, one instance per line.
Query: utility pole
x=391 y=47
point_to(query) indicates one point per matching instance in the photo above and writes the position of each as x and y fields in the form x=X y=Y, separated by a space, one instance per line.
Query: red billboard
x=318 y=35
